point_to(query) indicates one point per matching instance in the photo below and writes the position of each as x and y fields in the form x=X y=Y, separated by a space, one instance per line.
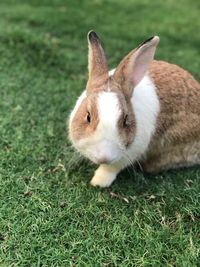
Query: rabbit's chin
x=105 y=160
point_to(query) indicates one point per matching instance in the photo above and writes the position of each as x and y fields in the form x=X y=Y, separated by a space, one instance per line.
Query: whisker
x=74 y=160
x=140 y=166
x=130 y=162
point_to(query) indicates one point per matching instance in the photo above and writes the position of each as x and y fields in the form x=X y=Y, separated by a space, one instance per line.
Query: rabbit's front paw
x=102 y=181
x=103 y=178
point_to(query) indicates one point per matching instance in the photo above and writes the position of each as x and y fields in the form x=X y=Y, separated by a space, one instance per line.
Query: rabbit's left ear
x=133 y=67
x=97 y=63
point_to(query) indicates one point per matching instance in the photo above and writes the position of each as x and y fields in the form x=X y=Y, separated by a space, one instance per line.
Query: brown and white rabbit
x=144 y=110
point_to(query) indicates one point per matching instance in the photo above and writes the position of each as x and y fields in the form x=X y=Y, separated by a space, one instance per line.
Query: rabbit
x=144 y=111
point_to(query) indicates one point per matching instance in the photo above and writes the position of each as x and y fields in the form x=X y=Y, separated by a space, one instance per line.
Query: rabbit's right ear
x=134 y=66
x=97 y=63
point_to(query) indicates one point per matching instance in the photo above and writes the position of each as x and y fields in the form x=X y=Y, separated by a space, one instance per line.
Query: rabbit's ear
x=133 y=67
x=97 y=63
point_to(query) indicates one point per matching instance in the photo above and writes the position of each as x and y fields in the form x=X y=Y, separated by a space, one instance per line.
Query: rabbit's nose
x=102 y=159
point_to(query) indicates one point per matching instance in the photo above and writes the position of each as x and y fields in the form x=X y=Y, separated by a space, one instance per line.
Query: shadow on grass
x=136 y=182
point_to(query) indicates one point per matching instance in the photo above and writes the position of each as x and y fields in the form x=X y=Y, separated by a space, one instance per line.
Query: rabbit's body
x=176 y=141
x=144 y=111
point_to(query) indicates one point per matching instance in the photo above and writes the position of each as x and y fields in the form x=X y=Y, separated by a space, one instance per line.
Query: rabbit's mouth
x=104 y=160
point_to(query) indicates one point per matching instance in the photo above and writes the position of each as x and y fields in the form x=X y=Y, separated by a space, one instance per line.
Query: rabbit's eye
x=125 y=122
x=88 y=118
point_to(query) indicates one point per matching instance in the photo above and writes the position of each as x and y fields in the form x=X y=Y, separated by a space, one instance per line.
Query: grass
x=49 y=214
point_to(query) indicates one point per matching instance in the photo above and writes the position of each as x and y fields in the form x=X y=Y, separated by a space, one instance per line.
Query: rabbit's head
x=102 y=124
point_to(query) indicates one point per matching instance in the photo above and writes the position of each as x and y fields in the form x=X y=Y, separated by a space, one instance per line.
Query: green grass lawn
x=49 y=214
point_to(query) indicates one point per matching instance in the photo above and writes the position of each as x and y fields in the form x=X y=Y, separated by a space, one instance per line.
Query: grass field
x=49 y=214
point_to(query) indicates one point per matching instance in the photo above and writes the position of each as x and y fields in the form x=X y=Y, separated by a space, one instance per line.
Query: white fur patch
x=146 y=107
x=111 y=72
x=106 y=138
x=78 y=103
x=108 y=109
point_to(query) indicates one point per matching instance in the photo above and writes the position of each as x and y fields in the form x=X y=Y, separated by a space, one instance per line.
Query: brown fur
x=126 y=132
x=97 y=64
x=121 y=73
x=80 y=128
